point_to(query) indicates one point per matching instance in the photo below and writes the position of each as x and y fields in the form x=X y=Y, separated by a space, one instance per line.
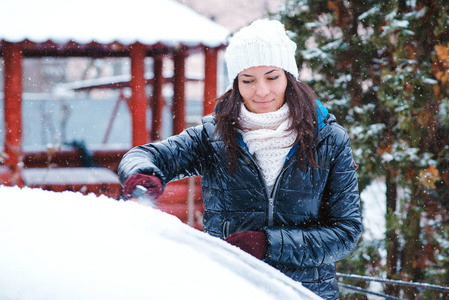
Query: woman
x=278 y=176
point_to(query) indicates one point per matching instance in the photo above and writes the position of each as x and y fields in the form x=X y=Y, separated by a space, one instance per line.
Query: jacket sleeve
x=175 y=158
x=335 y=235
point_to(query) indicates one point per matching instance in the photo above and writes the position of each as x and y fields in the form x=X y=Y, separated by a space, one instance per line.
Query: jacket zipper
x=270 y=211
x=269 y=197
x=270 y=216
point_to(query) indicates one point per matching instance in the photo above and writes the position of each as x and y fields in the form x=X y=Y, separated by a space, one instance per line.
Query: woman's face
x=262 y=88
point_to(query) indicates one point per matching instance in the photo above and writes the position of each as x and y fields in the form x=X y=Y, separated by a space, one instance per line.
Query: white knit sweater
x=268 y=139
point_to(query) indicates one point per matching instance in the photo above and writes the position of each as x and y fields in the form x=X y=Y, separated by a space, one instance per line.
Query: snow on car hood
x=71 y=246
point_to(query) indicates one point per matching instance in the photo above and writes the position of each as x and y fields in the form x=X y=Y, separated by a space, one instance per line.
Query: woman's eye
x=247 y=81
x=273 y=78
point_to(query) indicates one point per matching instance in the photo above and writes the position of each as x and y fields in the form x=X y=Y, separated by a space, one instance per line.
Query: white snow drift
x=71 y=246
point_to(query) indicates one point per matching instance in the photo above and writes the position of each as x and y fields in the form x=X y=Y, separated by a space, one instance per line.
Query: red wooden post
x=139 y=101
x=210 y=79
x=12 y=57
x=158 y=100
x=179 y=81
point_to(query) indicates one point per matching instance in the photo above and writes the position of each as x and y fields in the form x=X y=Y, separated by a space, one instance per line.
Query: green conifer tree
x=382 y=67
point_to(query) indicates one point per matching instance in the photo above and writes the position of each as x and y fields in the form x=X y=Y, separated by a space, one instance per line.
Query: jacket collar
x=324 y=118
x=326 y=130
x=322 y=114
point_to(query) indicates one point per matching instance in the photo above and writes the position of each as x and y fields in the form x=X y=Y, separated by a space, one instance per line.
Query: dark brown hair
x=300 y=99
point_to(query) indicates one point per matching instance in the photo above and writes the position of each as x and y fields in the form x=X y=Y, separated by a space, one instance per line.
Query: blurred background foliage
x=382 y=67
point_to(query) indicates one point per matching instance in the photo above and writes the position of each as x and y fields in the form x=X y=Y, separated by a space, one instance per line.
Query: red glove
x=253 y=242
x=151 y=183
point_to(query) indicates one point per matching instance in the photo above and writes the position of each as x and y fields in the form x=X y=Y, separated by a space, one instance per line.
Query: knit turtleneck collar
x=269 y=120
x=268 y=139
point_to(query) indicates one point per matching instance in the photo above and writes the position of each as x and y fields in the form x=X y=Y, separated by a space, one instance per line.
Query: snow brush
x=141 y=196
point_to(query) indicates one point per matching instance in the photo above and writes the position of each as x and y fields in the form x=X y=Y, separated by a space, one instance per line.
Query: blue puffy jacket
x=312 y=217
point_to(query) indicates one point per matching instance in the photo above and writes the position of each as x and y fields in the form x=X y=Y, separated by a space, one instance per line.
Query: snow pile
x=374 y=210
x=70 y=246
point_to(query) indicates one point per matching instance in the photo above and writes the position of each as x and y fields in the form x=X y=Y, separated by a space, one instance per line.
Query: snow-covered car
x=73 y=246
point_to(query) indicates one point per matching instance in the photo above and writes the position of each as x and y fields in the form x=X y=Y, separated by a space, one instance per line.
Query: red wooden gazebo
x=103 y=28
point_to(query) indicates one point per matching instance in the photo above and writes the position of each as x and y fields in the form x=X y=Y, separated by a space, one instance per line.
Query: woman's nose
x=262 y=89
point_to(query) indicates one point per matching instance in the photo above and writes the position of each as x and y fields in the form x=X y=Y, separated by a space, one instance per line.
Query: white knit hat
x=263 y=43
